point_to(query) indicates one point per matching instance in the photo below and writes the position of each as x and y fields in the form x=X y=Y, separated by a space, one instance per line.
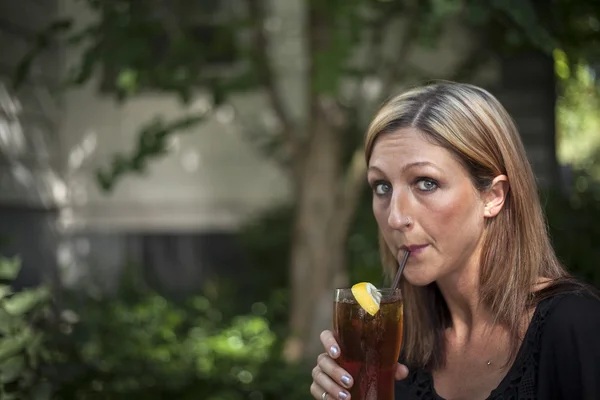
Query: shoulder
x=569 y=347
x=578 y=310
x=569 y=325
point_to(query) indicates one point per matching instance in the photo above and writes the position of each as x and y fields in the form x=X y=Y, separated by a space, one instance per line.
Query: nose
x=398 y=217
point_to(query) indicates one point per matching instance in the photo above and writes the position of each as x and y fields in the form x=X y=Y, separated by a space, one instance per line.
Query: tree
x=173 y=47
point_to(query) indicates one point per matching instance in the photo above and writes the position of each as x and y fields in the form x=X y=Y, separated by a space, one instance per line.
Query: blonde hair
x=471 y=124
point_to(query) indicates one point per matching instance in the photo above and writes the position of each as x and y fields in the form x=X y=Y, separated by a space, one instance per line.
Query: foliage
x=139 y=345
x=572 y=216
x=156 y=348
x=21 y=347
x=578 y=122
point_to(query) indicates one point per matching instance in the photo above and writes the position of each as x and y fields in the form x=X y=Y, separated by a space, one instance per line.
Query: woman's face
x=414 y=179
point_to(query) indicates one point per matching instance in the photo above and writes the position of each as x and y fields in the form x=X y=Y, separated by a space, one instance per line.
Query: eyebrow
x=409 y=166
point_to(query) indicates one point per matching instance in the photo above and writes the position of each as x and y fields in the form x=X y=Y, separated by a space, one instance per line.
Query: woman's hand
x=329 y=377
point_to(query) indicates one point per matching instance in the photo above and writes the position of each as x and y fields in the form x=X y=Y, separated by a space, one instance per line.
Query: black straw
x=400 y=269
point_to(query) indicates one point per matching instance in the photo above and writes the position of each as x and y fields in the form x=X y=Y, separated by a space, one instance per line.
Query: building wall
x=213 y=178
x=31 y=187
x=188 y=203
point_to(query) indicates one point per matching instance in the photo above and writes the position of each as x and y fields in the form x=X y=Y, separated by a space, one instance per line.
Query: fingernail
x=346 y=380
x=343 y=395
x=334 y=351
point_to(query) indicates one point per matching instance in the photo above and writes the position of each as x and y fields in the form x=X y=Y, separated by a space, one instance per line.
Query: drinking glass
x=370 y=344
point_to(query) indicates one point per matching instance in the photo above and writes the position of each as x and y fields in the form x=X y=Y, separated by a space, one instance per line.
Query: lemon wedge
x=367 y=296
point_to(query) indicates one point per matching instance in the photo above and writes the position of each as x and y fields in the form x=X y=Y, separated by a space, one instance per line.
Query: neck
x=461 y=293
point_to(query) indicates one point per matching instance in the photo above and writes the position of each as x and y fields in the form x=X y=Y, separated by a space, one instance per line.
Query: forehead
x=408 y=145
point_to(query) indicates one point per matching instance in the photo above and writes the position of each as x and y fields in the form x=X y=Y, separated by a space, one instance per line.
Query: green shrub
x=22 y=349
x=143 y=347
x=155 y=348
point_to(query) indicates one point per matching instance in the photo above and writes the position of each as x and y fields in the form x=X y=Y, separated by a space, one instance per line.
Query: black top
x=558 y=359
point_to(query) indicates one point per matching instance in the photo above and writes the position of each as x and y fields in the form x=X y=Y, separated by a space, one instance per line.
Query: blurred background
x=182 y=182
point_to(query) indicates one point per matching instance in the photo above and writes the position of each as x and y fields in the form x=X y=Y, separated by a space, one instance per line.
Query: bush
x=22 y=349
x=146 y=346
x=154 y=348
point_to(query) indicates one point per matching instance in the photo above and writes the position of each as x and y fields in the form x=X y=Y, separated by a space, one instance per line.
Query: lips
x=414 y=247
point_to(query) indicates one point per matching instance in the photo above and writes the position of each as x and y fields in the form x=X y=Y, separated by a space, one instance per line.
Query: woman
x=490 y=312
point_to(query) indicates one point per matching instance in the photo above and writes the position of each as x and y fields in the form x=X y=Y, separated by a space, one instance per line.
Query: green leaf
x=25 y=301
x=11 y=369
x=5 y=291
x=152 y=143
x=7 y=322
x=9 y=268
x=127 y=81
x=34 y=350
x=10 y=346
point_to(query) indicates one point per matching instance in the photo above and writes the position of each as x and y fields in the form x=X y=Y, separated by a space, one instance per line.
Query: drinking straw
x=400 y=269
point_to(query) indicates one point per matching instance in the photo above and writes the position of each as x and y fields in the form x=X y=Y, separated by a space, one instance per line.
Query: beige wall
x=29 y=117
x=212 y=178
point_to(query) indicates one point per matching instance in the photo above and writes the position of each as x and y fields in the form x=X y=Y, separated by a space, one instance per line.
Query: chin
x=417 y=279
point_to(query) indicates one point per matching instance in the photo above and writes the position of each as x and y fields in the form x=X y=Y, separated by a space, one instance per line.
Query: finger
x=333 y=371
x=316 y=391
x=323 y=383
x=401 y=372
x=330 y=344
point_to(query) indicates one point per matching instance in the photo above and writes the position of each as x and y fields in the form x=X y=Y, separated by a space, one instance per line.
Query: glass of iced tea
x=369 y=341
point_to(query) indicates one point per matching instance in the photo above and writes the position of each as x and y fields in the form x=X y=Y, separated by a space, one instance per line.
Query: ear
x=494 y=197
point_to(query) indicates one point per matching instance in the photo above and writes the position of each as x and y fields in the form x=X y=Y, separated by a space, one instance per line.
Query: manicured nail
x=346 y=380
x=343 y=395
x=334 y=351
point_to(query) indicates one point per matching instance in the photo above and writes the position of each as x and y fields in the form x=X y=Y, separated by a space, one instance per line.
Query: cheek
x=382 y=224
x=455 y=214
x=380 y=212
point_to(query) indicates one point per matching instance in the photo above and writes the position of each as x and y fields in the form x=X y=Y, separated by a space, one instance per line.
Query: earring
x=408 y=221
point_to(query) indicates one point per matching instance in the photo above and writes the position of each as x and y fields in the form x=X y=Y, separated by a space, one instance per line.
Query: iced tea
x=370 y=345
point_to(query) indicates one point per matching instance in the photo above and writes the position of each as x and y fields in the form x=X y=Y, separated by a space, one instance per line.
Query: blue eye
x=381 y=188
x=426 y=184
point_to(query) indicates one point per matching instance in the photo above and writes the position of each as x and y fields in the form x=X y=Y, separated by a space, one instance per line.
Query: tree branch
x=152 y=143
x=318 y=28
x=266 y=72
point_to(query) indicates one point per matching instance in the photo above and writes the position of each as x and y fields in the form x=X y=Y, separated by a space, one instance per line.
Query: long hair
x=516 y=249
